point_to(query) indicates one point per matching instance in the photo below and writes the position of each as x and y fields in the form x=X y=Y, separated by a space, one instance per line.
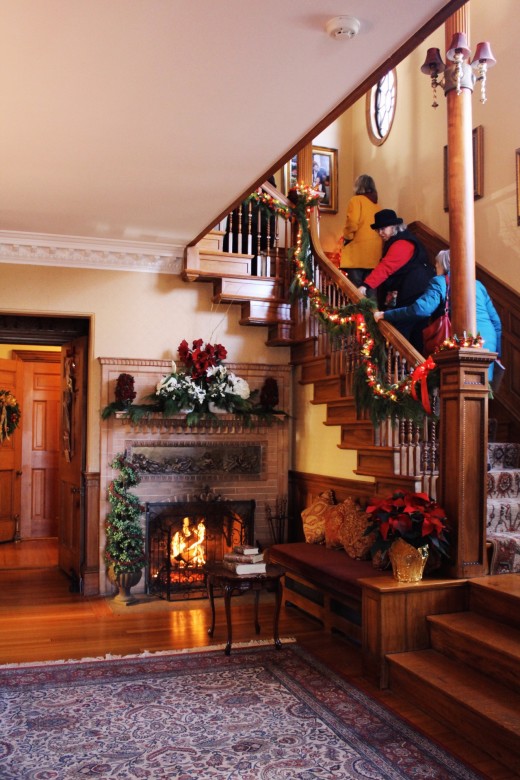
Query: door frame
x=51 y=330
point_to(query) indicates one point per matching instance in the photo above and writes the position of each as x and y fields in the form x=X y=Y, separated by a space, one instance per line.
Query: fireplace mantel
x=227 y=432
x=223 y=424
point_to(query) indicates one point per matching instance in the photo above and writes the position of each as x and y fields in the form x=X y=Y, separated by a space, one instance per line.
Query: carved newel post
x=463 y=458
x=464 y=382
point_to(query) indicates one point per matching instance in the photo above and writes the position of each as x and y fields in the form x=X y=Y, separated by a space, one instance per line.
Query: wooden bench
x=324 y=583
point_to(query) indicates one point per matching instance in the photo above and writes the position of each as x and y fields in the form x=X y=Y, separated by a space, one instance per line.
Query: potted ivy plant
x=125 y=546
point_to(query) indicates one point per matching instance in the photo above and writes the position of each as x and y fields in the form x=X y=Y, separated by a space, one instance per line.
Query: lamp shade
x=459 y=45
x=433 y=62
x=483 y=54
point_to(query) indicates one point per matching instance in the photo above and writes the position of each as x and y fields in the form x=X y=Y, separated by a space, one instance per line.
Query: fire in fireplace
x=182 y=537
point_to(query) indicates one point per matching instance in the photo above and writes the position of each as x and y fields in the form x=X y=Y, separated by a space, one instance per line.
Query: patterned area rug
x=259 y=714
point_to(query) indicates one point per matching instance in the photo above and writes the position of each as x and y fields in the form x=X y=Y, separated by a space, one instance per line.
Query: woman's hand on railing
x=379 y=315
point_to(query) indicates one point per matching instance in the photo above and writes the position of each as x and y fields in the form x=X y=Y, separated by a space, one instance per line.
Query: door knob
x=19 y=473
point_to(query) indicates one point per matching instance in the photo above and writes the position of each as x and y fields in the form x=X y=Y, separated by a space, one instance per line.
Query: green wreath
x=10 y=414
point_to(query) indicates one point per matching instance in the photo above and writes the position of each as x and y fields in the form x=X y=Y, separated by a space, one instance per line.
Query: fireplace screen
x=183 y=537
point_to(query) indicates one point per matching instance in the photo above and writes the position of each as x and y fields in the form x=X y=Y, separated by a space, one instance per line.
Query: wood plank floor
x=41 y=620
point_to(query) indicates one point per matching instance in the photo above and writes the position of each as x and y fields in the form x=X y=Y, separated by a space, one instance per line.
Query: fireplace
x=182 y=537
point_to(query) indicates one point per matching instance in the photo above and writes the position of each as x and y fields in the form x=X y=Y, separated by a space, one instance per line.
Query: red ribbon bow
x=420 y=374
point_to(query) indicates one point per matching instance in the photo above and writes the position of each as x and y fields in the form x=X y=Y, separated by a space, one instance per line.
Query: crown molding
x=73 y=252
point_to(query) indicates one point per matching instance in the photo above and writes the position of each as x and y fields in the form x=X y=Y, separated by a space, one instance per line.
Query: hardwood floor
x=41 y=620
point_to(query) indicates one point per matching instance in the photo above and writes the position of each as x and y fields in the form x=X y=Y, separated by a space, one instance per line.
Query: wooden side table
x=219 y=576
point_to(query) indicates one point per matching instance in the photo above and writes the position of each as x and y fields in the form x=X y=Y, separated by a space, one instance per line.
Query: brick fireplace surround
x=264 y=482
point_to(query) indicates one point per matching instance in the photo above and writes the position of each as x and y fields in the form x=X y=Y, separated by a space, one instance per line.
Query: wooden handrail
x=391 y=334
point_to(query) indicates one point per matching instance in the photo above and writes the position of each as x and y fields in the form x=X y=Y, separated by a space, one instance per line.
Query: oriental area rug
x=258 y=714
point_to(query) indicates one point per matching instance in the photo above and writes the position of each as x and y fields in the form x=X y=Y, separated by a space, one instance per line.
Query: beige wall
x=408 y=167
x=408 y=170
x=142 y=315
x=316 y=445
x=133 y=315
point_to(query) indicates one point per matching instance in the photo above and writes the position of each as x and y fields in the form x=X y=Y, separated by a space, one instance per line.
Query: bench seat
x=324 y=583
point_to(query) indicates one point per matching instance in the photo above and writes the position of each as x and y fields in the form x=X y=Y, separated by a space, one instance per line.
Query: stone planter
x=124 y=582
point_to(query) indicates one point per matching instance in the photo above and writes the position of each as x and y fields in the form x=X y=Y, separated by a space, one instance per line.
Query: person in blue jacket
x=410 y=320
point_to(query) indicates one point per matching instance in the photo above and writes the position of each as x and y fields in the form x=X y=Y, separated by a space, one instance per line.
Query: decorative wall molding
x=73 y=252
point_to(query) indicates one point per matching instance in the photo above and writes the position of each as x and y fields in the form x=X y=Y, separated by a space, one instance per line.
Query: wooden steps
x=239 y=289
x=497 y=597
x=260 y=312
x=329 y=388
x=206 y=265
x=470 y=676
x=473 y=639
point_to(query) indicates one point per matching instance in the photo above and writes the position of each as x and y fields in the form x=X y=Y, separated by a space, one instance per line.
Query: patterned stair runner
x=503 y=507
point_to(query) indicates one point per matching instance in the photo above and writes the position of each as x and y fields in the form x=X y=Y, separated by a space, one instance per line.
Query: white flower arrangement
x=204 y=386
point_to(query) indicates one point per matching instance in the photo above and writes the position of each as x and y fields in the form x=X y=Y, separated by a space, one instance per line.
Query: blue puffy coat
x=410 y=320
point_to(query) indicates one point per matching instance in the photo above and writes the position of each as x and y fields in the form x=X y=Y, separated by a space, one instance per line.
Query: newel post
x=463 y=457
x=463 y=373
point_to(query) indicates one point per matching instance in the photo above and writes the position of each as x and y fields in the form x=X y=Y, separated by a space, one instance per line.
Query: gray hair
x=443 y=258
x=401 y=228
x=363 y=184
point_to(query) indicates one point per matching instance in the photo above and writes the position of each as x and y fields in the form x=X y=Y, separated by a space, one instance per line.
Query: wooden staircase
x=469 y=678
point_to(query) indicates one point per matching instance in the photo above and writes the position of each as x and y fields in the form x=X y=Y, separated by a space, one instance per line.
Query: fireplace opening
x=182 y=537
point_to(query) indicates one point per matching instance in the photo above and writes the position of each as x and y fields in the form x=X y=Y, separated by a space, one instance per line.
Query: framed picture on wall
x=325 y=176
x=478 y=167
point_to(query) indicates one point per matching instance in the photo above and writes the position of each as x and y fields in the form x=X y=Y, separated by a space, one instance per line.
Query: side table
x=219 y=576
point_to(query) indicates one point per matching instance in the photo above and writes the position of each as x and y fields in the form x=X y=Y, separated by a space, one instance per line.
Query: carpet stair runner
x=470 y=677
x=503 y=507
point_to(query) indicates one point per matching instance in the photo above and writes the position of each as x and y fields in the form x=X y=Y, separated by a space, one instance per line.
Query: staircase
x=503 y=507
x=470 y=677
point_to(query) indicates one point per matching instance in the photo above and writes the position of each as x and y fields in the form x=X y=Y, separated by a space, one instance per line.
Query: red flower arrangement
x=201 y=357
x=125 y=392
x=414 y=517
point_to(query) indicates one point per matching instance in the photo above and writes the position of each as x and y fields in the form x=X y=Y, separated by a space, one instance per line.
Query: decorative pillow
x=313 y=518
x=352 y=531
x=334 y=519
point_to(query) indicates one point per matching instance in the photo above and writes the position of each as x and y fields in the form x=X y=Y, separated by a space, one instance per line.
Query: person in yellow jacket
x=362 y=246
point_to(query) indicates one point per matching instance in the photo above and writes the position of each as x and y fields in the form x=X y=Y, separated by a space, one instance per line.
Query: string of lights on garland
x=372 y=393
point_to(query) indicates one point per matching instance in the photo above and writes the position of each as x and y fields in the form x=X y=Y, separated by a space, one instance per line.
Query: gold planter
x=408 y=562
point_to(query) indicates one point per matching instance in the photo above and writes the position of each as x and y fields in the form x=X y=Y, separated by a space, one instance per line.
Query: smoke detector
x=342 y=27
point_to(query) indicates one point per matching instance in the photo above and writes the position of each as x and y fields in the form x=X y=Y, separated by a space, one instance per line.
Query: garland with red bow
x=409 y=398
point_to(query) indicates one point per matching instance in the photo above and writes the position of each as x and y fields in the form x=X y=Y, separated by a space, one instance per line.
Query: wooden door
x=11 y=378
x=73 y=385
x=40 y=447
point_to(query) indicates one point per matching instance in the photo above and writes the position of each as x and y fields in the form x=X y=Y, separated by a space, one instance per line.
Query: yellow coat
x=365 y=247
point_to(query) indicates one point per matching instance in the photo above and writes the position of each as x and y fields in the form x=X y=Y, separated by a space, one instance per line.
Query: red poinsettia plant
x=414 y=517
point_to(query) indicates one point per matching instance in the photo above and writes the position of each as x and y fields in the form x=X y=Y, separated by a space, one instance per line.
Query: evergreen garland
x=124 y=549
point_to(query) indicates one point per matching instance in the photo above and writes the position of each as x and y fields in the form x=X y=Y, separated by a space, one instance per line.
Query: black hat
x=385 y=218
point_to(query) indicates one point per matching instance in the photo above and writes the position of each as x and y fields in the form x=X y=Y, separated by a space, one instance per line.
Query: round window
x=380 y=108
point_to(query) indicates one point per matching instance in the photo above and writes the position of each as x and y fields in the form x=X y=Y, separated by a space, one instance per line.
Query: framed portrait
x=478 y=167
x=517 y=160
x=325 y=177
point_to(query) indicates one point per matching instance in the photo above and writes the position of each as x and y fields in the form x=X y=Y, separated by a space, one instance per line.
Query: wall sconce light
x=480 y=63
x=433 y=65
x=460 y=73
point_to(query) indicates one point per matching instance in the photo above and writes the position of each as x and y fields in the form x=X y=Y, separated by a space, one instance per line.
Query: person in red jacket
x=404 y=271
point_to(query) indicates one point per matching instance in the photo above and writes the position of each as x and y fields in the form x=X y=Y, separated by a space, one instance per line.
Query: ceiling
x=143 y=120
